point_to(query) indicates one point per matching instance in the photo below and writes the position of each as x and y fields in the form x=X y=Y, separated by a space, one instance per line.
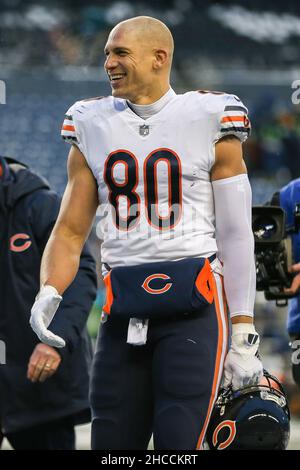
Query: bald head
x=141 y=50
x=149 y=31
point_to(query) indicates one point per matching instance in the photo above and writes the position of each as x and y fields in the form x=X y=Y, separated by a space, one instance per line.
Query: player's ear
x=160 y=59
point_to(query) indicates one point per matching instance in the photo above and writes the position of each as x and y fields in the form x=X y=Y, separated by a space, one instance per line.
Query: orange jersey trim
x=232 y=118
x=68 y=128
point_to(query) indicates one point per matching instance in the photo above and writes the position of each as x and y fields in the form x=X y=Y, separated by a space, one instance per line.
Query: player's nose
x=110 y=63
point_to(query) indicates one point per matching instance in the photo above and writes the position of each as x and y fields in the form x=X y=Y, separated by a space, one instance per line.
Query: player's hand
x=43 y=363
x=295 y=286
x=46 y=303
x=242 y=367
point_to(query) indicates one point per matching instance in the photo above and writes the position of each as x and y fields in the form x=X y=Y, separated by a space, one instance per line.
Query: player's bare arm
x=61 y=257
x=62 y=253
x=229 y=159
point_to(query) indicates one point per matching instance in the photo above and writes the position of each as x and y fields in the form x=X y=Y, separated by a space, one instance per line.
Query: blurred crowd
x=71 y=33
x=272 y=152
x=66 y=33
x=275 y=144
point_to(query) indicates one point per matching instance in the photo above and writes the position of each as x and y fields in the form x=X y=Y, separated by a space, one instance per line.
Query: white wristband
x=46 y=290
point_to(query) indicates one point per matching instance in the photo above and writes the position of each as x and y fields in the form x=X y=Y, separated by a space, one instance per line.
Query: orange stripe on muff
x=203 y=282
x=109 y=294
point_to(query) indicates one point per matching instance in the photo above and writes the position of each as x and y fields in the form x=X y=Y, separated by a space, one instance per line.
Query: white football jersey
x=153 y=175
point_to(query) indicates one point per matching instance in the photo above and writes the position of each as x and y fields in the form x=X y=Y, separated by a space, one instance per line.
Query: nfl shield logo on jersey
x=144 y=130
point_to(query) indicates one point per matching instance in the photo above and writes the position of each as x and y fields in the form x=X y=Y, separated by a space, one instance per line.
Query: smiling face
x=128 y=65
x=137 y=68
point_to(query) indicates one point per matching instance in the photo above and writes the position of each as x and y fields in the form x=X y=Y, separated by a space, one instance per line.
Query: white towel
x=137 y=331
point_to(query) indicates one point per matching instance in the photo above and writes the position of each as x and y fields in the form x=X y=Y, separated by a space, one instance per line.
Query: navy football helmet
x=253 y=418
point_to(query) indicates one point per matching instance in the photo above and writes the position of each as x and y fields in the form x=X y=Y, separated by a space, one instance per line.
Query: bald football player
x=177 y=247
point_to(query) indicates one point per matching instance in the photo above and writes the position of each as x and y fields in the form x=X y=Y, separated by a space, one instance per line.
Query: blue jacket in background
x=289 y=196
x=28 y=211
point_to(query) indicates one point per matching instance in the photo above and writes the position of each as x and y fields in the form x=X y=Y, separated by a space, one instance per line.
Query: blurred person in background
x=43 y=391
x=287 y=198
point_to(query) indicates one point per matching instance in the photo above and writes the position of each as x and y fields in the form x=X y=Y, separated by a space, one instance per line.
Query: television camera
x=274 y=251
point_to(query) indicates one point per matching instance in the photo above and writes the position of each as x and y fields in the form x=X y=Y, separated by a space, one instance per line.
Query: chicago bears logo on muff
x=151 y=290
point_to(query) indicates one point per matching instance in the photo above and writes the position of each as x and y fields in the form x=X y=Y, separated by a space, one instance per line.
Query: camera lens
x=264 y=228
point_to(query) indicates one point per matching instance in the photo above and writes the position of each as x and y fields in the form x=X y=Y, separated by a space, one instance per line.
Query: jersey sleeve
x=70 y=130
x=233 y=119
